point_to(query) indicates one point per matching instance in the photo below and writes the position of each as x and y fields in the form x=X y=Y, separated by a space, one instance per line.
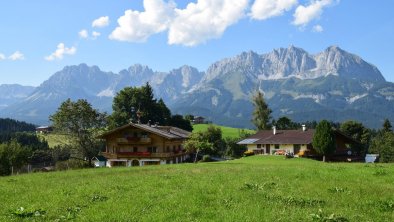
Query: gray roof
x=168 y=132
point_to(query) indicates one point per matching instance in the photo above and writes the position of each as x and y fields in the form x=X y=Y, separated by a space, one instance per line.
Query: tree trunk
x=195 y=158
x=324 y=158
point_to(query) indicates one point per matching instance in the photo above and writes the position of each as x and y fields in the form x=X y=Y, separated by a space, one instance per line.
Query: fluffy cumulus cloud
x=2 y=56
x=101 y=22
x=264 y=9
x=304 y=14
x=17 y=56
x=135 y=26
x=83 y=34
x=317 y=28
x=203 y=20
x=60 y=52
x=206 y=19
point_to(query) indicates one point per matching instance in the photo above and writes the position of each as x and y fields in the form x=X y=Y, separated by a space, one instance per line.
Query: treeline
x=8 y=126
x=20 y=147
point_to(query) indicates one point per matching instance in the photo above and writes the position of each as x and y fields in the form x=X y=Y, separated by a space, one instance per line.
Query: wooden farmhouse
x=143 y=144
x=298 y=142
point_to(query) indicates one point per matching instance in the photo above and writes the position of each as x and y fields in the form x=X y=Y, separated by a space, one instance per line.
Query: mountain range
x=333 y=84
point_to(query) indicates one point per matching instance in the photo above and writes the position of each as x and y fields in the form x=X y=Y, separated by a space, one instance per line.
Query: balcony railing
x=134 y=140
x=140 y=154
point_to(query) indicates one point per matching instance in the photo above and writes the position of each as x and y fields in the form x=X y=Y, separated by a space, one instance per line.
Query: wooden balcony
x=134 y=140
x=140 y=155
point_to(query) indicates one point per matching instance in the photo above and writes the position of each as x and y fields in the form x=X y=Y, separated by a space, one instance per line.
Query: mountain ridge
x=291 y=79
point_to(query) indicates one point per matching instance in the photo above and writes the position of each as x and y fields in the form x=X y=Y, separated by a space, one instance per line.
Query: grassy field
x=257 y=188
x=226 y=131
x=54 y=139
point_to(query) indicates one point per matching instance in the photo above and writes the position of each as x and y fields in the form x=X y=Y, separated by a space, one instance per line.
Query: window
x=168 y=149
x=258 y=145
x=152 y=149
x=173 y=148
x=276 y=146
x=135 y=149
x=144 y=135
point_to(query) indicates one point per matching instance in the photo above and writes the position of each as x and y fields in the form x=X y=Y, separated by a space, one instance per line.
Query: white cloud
x=317 y=28
x=264 y=9
x=2 y=56
x=83 y=34
x=206 y=19
x=303 y=15
x=17 y=56
x=95 y=34
x=135 y=26
x=101 y=22
x=203 y=20
x=60 y=52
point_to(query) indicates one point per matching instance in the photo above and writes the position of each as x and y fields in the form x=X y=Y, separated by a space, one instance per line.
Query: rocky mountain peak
x=336 y=61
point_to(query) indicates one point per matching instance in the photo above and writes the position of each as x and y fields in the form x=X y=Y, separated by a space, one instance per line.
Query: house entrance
x=268 y=149
x=296 y=148
x=135 y=163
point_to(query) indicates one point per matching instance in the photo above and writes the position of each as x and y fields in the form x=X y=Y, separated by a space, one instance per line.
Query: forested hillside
x=10 y=126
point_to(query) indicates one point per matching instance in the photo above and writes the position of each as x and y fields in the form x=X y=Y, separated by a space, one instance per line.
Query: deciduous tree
x=81 y=123
x=12 y=156
x=383 y=144
x=323 y=140
x=359 y=133
x=131 y=100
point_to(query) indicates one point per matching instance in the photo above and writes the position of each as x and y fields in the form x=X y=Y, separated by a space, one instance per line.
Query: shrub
x=206 y=158
x=71 y=164
x=248 y=153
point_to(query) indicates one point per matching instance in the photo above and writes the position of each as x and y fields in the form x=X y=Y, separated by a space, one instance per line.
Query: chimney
x=303 y=128
x=274 y=130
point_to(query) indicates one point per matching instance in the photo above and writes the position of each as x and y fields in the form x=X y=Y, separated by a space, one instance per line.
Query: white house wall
x=286 y=147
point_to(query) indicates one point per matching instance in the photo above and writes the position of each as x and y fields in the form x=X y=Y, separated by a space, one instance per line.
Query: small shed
x=99 y=161
x=199 y=120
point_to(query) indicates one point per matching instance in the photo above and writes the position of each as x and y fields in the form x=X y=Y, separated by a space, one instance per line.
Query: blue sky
x=39 y=38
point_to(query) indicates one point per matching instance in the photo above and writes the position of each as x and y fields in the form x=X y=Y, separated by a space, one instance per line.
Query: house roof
x=43 y=127
x=281 y=137
x=289 y=137
x=99 y=158
x=168 y=132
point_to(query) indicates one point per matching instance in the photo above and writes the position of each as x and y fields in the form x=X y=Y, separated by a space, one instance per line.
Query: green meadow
x=257 y=188
x=226 y=131
x=54 y=139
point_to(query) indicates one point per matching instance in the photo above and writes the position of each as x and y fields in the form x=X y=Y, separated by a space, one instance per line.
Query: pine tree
x=261 y=113
x=387 y=126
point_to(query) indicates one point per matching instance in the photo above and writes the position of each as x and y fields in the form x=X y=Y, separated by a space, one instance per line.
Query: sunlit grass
x=257 y=188
x=226 y=131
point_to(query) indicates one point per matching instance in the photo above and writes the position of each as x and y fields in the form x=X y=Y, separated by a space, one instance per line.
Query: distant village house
x=198 y=120
x=143 y=144
x=44 y=129
x=298 y=142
